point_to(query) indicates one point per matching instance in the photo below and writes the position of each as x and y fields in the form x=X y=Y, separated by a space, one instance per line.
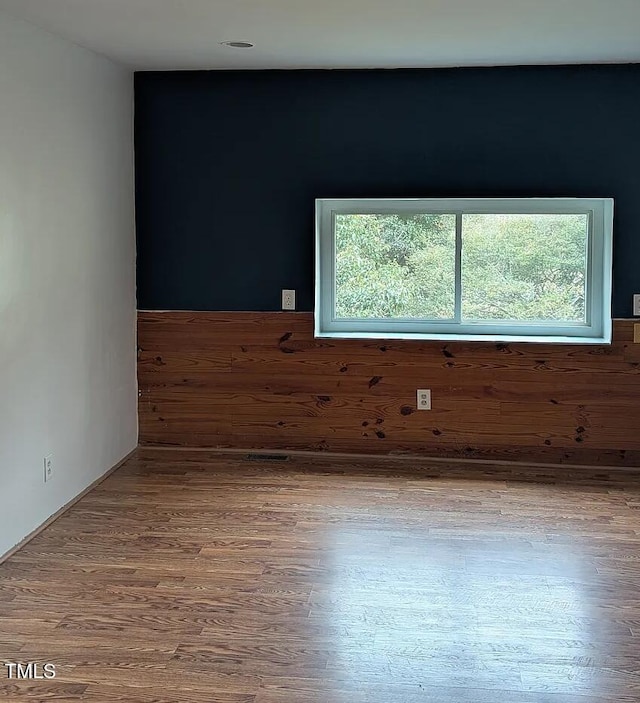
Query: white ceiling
x=182 y=34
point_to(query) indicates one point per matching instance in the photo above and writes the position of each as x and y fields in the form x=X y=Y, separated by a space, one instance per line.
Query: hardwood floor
x=189 y=577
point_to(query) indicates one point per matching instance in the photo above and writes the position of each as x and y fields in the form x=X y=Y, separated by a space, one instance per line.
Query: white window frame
x=596 y=329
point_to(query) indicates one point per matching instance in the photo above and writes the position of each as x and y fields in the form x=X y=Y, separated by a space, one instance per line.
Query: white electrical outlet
x=288 y=300
x=48 y=468
x=636 y=304
x=423 y=400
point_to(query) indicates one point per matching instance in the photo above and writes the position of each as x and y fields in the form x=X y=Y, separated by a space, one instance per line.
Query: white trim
x=456 y=337
x=458 y=273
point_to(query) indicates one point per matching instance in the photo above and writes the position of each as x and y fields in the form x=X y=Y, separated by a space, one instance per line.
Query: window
x=526 y=269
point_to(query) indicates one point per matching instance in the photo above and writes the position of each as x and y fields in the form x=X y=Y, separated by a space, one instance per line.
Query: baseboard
x=404 y=457
x=64 y=508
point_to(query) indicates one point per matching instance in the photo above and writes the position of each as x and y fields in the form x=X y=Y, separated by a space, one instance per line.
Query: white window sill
x=487 y=338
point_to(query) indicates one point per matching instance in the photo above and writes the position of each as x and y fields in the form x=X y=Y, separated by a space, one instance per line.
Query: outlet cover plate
x=636 y=305
x=48 y=468
x=288 y=300
x=423 y=399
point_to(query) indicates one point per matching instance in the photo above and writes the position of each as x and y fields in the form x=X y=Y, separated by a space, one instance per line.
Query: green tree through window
x=528 y=267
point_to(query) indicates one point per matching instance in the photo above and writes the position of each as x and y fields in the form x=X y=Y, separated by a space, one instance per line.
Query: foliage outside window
x=512 y=269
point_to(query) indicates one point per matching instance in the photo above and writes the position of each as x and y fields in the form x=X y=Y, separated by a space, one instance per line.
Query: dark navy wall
x=228 y=164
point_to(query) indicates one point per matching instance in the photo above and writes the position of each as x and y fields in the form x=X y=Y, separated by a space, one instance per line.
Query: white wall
x=67 y=276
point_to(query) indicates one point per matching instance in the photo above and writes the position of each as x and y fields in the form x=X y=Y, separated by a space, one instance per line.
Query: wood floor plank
x=190 y=576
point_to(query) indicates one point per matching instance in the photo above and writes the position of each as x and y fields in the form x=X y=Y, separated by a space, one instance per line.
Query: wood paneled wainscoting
x=261 y=380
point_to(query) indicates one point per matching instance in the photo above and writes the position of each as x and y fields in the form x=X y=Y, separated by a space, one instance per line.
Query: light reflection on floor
x=426 y=610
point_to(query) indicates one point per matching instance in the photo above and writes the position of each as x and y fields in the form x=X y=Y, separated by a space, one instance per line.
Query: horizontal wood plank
x=262 y=379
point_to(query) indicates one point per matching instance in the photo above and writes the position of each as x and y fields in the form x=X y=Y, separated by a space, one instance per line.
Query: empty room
x=320 y=351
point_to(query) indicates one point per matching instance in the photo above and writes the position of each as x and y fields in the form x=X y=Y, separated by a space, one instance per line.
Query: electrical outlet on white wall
x=48 y=468
x=288 y=300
